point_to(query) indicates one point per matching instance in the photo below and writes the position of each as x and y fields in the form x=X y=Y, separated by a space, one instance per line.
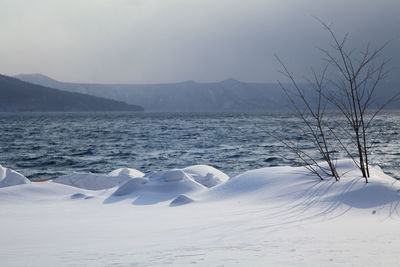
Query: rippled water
x=44 y=145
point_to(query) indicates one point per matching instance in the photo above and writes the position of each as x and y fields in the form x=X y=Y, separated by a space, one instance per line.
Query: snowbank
x=206 y=175
x=91 y=181
x=156 y=187
x=279 y=216
x=10 y=177
x=132 y=173
x=181 y=200
x=296 y=186
x=197 y=174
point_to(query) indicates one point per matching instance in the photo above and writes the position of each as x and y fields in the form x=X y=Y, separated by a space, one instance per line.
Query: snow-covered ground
x=279 y=216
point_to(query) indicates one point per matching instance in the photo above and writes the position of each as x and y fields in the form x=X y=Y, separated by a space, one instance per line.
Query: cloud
x=176 y=40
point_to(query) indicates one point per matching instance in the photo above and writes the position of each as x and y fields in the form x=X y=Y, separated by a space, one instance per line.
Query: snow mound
x=206 y=175
x=39 y=192
x=10 y=177
x=132 y=173
x=259 y=183
x=173 y=181
x=91 y=181
x=296 y=186
x=130 y=186
x=156 y=187
x=172 y=175
x=181 y=200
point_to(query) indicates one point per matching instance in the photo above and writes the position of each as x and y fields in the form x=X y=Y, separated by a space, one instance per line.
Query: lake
x=47 y=145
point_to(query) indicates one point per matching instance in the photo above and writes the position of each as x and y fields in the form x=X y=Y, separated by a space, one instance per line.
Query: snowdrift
x=201 y=183
x=279 y=216
x=206 y=175
x=296 y=186
x=181 y=200
x=9 y=177
x=156 y=187
x=198 y=174
x=129 y=172
x=91 y=181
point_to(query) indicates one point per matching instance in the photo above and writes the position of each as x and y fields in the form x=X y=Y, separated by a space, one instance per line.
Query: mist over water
x=44 y=145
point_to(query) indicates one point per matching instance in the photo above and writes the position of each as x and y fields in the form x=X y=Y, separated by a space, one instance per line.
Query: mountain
x=190 y=96
x=17 y=95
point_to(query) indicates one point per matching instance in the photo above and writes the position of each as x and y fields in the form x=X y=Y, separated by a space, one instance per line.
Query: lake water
x=43 y=146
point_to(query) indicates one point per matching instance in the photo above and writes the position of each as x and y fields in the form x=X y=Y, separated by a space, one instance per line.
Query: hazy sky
x=141 y=41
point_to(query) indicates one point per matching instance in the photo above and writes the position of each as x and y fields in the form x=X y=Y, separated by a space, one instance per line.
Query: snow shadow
x=143 y=198
x=371 y=196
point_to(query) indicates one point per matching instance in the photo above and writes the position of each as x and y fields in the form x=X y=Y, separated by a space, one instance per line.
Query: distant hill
x=190 y=96
x=17 y=95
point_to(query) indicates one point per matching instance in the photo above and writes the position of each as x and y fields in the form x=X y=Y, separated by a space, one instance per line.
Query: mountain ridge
x=187 y=96
x=20 y=96
x=229 y=95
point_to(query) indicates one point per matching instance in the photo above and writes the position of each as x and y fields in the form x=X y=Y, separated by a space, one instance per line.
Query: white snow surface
x=156 y=187
x=197 y=174
x=10 y=177
x=206 y=175
x=181 y=200
x=132 y=173
x=91 y=181
x=279 y=216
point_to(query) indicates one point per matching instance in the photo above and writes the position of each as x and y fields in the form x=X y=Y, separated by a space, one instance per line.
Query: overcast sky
x=153 y=41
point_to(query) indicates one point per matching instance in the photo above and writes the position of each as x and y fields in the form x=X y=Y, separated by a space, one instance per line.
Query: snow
x=127 y=172
x=10 y=177
x=279 y=216
x=181 y=200
x=206 y=175
x=156 y=187
x=198 y=174
x=91 y=181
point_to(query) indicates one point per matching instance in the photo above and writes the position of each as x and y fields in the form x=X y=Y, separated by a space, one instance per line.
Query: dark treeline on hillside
x=18 y=96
